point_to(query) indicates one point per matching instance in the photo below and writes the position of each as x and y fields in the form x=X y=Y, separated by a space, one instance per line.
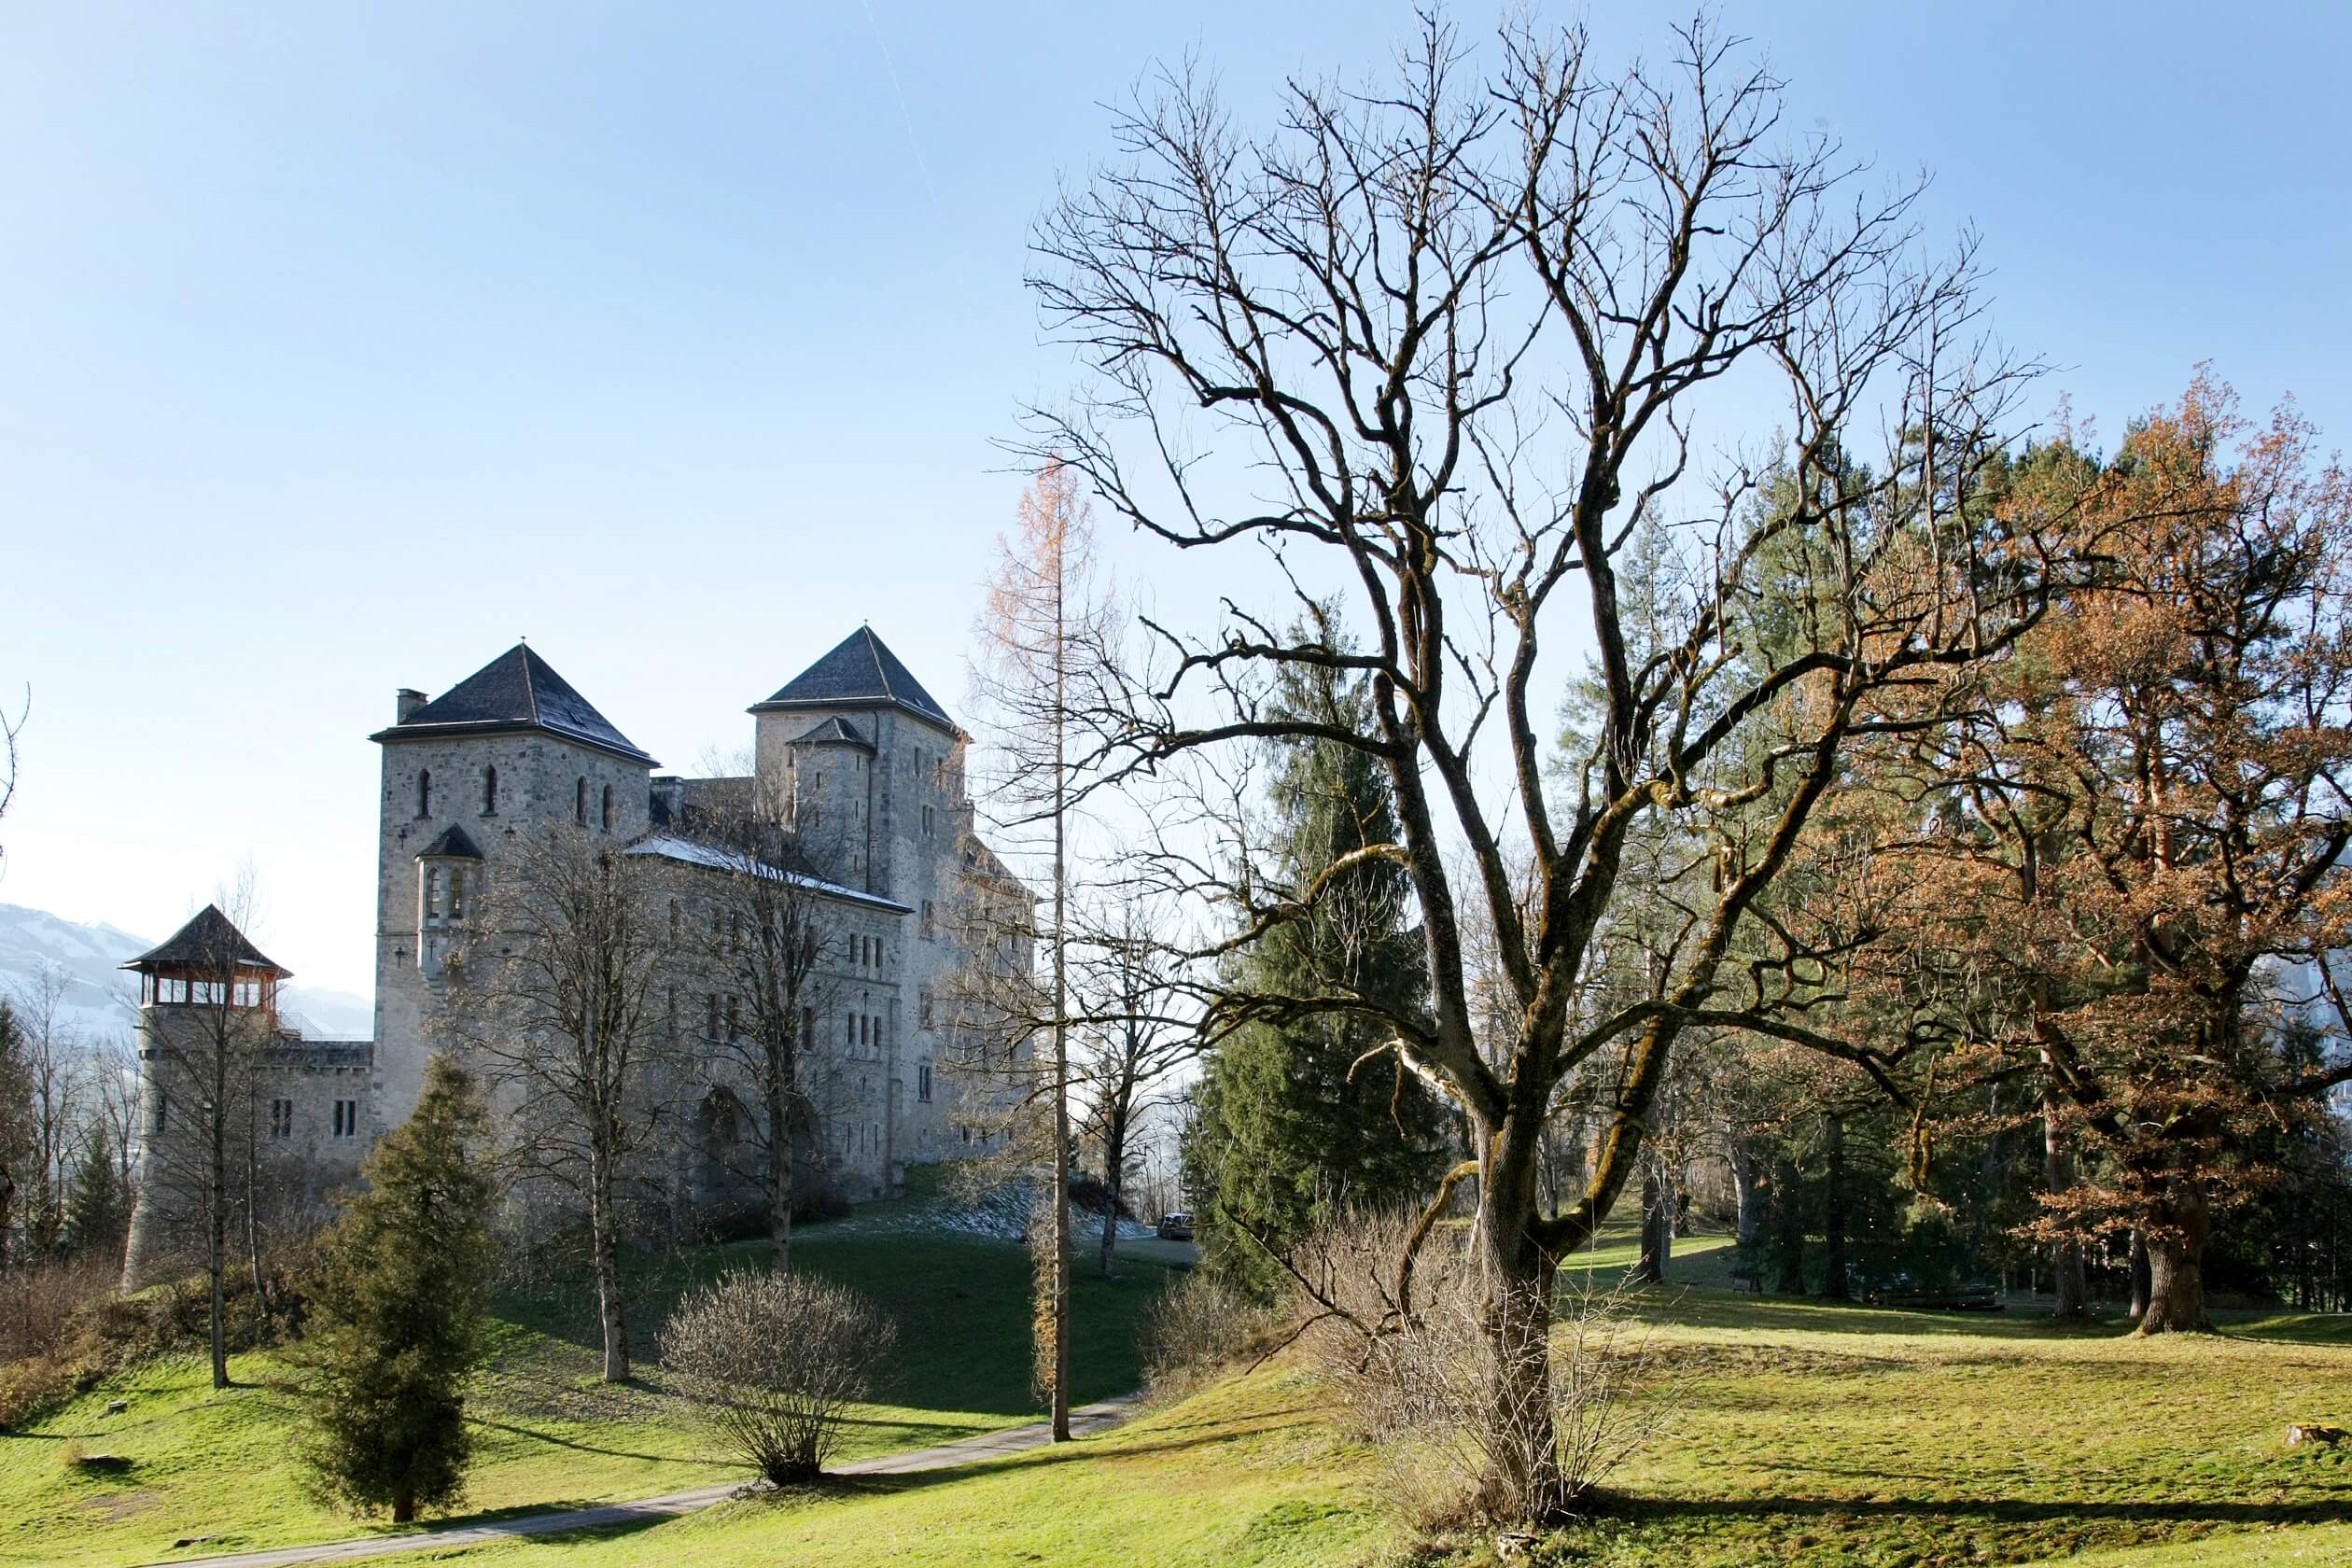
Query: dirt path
x=988 y=1445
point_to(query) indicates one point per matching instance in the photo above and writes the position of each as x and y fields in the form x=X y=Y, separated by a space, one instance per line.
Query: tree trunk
x=404 y=1506
x=1113 y=1162
x=2067 y=1279
x=2140 y=1272
x=1748 y=1190
x=607 y=1246
x=1523 y=1481
x=2176 y=1269
x=216 y=1238
x=1833 y=1211
x=1062 y=998
x=1657 y=1227
x=782 y=1152
x=1791 y=1219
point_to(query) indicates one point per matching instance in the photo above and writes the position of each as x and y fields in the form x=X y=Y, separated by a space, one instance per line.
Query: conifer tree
x=399 y=1287
x=1298 y=1114
x=97 y=1209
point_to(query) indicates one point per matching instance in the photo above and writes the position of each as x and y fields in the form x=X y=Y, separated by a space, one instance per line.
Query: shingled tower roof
x=516 y=691
x=207 y=942
x=860 y=672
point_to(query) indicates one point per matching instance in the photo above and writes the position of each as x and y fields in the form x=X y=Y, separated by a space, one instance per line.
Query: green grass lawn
x=1802 y=1432
x=202 y=1464
x=1248 y=1473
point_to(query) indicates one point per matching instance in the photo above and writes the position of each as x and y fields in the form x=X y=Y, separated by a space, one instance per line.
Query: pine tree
x=97 y=1211
x=1293 y=1121
x=399 y=1289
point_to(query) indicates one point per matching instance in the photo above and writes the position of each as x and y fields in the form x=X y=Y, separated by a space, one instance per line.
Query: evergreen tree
x=399 y=1289
x=1295 y=1115
x=97 y=1211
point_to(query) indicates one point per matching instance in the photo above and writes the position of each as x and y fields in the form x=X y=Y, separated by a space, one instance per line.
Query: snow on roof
x=687 y=851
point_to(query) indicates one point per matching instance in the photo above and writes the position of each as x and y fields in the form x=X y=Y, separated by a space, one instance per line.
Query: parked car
x=1176 y=1228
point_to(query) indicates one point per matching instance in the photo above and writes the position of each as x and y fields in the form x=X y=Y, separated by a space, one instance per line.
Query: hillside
x=198 y=1463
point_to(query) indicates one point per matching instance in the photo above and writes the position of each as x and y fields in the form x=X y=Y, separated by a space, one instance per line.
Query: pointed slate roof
x=860 y=672
x=206 y=941
x=516 y=691
x=835 y=730
x=453 y=844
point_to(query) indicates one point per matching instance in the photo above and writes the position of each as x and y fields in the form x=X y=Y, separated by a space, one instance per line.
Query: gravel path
x=965 y=1451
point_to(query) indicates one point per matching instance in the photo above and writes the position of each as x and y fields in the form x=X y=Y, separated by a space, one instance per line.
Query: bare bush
x=1198 y=1326
x=773 y=1363
x=1414 y=1353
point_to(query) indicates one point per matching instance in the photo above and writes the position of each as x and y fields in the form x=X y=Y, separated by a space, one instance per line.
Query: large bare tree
x=559 y=998
x=770 y=935
x=1445 y=344
x=216 y=1021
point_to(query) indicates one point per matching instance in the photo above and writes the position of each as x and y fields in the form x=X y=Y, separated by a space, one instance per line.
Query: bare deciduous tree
x=1444 y=342
x=770 y=939
x=1130 y=1044
x=1046 y=632
x=216 y=1019
x=557 y=996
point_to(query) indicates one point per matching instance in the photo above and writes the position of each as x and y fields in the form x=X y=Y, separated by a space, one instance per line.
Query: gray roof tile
x=860 y=672
x=516 y=691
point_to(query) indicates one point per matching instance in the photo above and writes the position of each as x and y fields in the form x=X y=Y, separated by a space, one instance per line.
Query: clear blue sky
x=340 y=344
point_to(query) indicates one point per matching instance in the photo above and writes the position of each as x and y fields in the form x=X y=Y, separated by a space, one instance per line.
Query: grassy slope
x=1243 y=1475
x=1805 y=1434
x=218 y=1465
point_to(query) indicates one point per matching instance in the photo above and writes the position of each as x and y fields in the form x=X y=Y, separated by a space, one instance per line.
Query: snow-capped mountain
x=98 y=1000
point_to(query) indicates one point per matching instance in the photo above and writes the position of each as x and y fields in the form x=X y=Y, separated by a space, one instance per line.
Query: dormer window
x=490 y=791
x=424 y=793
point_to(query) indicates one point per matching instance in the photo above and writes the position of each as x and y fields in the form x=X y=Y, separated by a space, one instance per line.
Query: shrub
x=1198 y=1326
x=64 y=1327
x=773 y=1362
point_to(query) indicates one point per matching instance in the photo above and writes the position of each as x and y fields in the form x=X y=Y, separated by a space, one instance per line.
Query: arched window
x=423 y=791
x=579 y=802
x=433 y=891
x=489 y=791
x=605 y=815
x=456 y=892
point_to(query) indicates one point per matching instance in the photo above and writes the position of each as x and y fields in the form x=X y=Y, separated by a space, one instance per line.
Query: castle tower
x=857 y=739
x=207 y=1014
x=510 y=748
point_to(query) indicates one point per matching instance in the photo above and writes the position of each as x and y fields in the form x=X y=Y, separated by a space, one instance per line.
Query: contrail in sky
x=905 y=116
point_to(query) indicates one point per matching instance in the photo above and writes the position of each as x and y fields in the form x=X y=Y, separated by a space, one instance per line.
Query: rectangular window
x=155 y=1112
x=710 y=1024
x=922 y=1082
x=735 y=1019
x=929 y=929
x=923 y=1006
x=926 y=822
x=346 y=1118
x=281 y=1118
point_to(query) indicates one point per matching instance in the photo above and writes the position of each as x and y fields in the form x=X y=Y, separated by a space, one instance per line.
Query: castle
x=469 y=777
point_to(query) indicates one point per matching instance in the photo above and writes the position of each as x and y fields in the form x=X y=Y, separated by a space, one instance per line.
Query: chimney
x=405 y=703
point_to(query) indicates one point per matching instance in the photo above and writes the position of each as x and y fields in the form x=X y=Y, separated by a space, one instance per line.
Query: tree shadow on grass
x=1957 y=1512
x=554 y=1441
